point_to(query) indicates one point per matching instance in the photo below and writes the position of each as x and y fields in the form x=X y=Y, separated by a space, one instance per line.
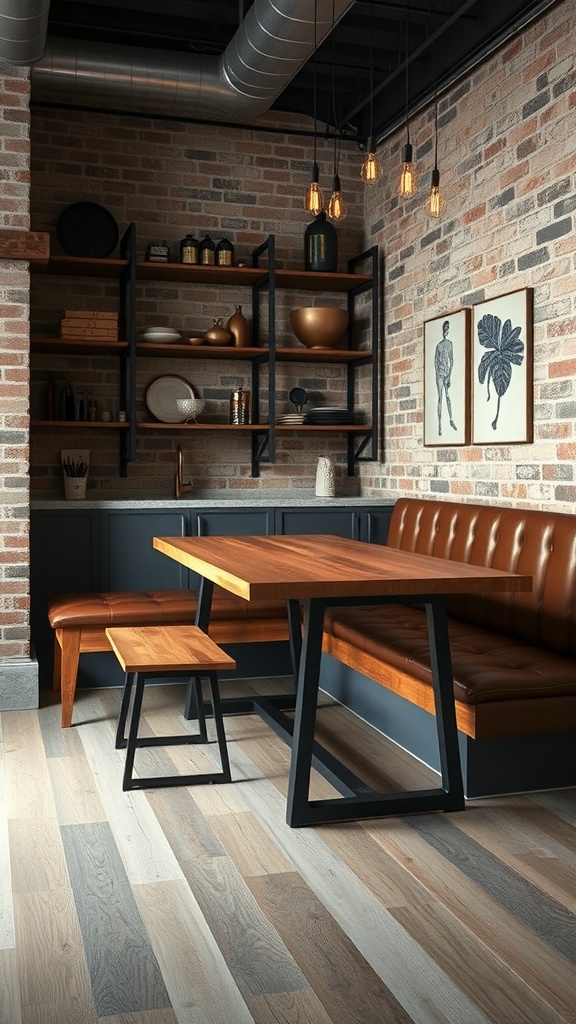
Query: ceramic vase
x=238 y=327
x=325 y=487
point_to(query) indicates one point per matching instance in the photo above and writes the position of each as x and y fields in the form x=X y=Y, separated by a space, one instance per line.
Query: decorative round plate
x=160 y=335
x=87 y=229
x=161 y=398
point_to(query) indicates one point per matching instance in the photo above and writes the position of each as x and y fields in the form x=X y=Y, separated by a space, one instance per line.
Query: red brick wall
x=507 y=158
x=14 y=374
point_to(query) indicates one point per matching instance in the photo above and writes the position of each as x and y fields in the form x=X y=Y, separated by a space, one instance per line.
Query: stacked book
x=82 y=323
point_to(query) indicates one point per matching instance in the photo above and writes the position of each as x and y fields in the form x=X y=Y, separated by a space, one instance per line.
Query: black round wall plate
x=87 y=229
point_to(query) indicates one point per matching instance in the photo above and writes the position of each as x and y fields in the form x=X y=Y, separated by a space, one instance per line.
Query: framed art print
x=446 y=379
x=502 y=369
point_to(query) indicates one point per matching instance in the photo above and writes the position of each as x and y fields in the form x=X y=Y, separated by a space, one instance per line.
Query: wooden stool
x=149 y=652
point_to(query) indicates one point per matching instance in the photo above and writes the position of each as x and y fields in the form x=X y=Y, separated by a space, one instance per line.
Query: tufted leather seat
x=513 y=654
x=80 y=621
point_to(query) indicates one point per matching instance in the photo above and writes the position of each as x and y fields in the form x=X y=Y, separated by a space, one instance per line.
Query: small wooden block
x=166 y=648
x=90 y=314
x=103 y=333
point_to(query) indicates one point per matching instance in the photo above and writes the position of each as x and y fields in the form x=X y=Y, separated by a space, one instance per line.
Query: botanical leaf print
x=505 y=350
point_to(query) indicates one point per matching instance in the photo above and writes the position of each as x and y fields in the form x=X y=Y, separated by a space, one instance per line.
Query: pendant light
x=433 y=201
x=336 y=209
x=408 y=181
x=313 y=200
x=370 y=170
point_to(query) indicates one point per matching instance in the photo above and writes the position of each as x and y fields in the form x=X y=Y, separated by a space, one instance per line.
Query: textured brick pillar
x=18 y=671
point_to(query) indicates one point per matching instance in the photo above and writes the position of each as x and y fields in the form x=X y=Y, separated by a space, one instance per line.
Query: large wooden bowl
x=319 y=326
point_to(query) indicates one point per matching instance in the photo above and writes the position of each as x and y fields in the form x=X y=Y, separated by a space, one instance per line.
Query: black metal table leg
x=365 y=802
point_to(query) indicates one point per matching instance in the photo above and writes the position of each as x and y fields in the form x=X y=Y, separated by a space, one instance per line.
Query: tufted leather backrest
x=539 y=544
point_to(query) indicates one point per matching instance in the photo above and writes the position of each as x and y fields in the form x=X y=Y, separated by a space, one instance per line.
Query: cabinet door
x=344 y=522
x=129 y=560
x=375 y=524
x=233 y=523
x=64 y=548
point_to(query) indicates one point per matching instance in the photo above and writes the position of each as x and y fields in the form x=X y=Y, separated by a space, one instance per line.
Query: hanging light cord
x=406 y=76
x=371 y=75
x=314 y=74
x=334 y=84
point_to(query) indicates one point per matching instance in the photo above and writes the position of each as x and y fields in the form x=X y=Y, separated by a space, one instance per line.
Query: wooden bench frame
x=72 y=641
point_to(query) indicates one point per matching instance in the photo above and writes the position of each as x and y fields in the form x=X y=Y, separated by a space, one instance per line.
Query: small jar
x=207 y=252
x=189 y=249
x=224 y=253
x=240 y=407
x=158 y=252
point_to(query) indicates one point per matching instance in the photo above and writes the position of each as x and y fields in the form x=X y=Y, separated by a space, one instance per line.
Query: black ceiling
x=364 y=56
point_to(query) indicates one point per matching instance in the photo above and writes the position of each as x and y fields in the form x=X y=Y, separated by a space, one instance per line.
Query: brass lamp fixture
x=433 y=201
x=336 y=206
x=370 y=170
x=313 y=199
x=408 y=179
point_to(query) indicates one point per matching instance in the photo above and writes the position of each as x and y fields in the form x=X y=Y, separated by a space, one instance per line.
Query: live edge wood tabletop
x=318 y=571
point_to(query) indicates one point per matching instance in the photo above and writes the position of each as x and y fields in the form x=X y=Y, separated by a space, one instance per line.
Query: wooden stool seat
x=149 y=652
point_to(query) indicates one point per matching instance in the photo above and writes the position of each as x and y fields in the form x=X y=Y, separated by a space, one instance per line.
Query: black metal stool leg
x=128 y=781
x=133 y=742
x=219 y=723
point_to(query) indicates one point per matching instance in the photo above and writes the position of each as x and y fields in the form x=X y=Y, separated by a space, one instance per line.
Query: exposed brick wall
x=14 y=383
x=170 y=178
x=507 y=158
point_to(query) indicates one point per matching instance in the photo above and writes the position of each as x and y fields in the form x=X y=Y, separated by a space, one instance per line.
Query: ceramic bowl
x=196 y=339
x=319 y=326
x=190 y=407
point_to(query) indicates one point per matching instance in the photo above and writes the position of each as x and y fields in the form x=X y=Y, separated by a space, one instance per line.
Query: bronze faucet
x=180 y=486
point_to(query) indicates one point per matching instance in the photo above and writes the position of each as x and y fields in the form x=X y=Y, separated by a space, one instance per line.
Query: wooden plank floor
x=199 y=905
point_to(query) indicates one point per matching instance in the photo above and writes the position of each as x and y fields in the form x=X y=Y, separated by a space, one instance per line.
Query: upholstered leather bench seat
x=513 y=654
x=502 y=687
x=80 y=622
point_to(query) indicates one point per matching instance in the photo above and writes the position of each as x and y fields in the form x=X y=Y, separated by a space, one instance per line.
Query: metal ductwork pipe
x=23 y=25
x=268 y=49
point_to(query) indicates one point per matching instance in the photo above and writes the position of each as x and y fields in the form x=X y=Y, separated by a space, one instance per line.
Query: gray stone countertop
x=203 y=499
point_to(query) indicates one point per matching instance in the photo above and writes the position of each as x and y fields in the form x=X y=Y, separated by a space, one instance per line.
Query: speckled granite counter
x=214 y=499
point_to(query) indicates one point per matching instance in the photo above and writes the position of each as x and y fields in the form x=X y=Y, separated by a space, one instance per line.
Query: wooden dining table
x=311 y=573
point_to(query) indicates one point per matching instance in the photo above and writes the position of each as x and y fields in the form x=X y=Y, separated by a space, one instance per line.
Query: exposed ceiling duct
x=268 y=49
x=23 y=25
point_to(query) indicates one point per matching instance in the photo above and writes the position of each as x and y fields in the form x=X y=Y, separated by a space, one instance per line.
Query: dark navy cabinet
x=129 y=560
x=76 y=550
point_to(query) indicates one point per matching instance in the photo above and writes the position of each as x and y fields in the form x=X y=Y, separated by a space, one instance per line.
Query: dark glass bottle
x=207 y=252
x=224 y=253
x=321 y=246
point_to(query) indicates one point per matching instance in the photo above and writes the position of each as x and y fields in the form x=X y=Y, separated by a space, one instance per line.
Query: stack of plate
x=328 y=415
x=291 y=419
x=160 y=335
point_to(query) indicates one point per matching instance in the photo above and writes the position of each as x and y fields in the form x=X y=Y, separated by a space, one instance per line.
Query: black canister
x=189 y=249
x=224 y=253
x=206 y=252
x=321 y=246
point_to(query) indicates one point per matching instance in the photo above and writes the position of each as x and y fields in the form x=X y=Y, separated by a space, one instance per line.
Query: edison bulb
x=336 y=208
x=408 y=179
x=313 y=200
x=370 y=170
x=433 y=201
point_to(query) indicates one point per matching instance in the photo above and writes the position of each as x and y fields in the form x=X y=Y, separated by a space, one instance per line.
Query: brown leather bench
x=80 y=622
x=513 y=654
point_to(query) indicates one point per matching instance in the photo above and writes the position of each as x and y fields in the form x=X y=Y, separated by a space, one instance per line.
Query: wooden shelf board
x=80 y=424
x=150 y=348
x=196 y=274
x=322 y=355
x=80 y=266
x=311 y=281
x=77 y=346
x=247 y=427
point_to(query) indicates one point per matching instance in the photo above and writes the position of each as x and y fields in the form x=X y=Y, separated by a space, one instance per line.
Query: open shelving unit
x=262 y=280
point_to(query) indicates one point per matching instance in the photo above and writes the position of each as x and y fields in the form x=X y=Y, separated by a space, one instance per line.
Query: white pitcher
x=325 y=478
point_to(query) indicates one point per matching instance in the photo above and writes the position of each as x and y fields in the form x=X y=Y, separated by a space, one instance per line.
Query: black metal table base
x=357 y=800
x=132 y=742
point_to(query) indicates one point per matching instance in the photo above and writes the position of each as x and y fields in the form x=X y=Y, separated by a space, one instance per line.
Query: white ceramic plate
x=161 y=398
x=160 y=334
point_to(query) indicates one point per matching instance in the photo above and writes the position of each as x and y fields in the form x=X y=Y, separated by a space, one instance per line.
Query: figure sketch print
x=502 y=395
x=446 y=379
